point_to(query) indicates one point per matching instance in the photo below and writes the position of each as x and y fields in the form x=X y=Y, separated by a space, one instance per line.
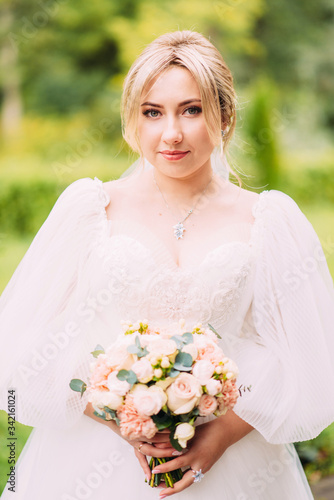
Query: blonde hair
x=190 y=50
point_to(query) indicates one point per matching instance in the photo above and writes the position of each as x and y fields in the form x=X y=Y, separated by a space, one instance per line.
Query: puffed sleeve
x=286 y=350
x=42 y=344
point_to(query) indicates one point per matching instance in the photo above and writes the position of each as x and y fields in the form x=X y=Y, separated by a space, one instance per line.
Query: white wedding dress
x=266 y=289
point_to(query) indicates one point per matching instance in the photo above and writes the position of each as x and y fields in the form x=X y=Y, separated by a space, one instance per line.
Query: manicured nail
x=177 y=453
x=163 y=496
x=147 y=477
x=156 y=471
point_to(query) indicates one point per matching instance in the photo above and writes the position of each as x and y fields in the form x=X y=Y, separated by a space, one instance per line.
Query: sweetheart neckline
x=176 y=267
x=253 y=231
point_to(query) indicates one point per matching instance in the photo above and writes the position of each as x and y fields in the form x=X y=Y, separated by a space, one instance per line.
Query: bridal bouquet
x=150 y=380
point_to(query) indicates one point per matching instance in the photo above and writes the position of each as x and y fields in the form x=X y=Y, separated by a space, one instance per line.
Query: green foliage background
x=62 y=64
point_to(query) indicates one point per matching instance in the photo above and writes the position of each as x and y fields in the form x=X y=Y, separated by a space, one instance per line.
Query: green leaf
x=182 y=368
x=184 y=358
x=127 y=375
x=138 y=342
x=173 y=373
x=78 y=385
x=189 y=338
x=174 y=442
x=214 y=331
x=143 y=352
x=133 y=349
x=100 y=415
x=162 y=420
x=179 y=340
x=98 y=350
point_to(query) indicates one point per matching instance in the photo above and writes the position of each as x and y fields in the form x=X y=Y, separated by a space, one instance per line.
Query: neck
x=183 y=193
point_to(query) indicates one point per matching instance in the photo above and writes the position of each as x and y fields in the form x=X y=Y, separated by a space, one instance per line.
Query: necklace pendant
x=179 y=229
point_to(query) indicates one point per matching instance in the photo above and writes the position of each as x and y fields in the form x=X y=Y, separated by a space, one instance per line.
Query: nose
x=172 y=132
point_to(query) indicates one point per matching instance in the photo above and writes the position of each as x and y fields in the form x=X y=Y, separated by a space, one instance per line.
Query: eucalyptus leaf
x=184 y=358
x=214 y=331
x=133 y=349
x=179 y=341
x=78 y=385
x=98 y=350
x=142 y=352
x=127 y=375
x=189 y=338
x=173 y=373
x=182 y=368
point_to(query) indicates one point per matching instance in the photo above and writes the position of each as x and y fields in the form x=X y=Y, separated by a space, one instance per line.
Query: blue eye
x=196 y=108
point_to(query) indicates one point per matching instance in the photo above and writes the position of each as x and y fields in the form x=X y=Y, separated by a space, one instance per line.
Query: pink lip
x=174 y=155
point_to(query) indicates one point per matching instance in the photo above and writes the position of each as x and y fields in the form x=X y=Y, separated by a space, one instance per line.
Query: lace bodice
x=145 y=282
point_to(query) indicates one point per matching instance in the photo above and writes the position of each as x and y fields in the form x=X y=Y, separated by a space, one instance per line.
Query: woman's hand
x=158 y=446
x=211 y=440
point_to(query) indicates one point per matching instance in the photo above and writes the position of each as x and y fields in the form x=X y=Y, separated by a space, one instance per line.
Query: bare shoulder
x=242 y=200
x=117 y=188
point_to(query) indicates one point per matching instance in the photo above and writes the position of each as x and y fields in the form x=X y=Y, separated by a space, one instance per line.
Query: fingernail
x=177 y=453
x=156 y=471
x=163 y=496
x=147 y=477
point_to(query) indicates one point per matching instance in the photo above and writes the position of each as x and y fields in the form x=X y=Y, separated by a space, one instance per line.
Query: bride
x=172 y=239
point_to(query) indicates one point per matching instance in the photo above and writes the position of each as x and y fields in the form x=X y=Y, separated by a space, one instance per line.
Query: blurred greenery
x=62 y=65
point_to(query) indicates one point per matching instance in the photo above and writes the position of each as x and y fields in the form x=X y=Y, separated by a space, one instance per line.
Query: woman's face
x=169 y=124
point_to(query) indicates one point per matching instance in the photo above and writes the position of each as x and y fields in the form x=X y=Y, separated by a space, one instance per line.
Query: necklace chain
x=179 y=228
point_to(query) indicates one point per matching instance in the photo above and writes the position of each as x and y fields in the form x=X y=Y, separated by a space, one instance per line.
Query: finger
x=163 y=445
x=155 y=451
x=176 y=463
x=143 y=462
x=181 y=485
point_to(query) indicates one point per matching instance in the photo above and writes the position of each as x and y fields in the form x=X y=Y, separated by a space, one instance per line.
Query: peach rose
x=191 y=349
x=118 y=355
x=203 y=371
x=207 y=405
x=143 y=369
x=100 y=399
x=183 y=394
x=149 y=400
x=116 y=386
x=162 y=347
x=213 y=386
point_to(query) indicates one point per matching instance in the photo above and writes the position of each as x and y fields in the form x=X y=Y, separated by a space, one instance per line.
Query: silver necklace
x=179 y=228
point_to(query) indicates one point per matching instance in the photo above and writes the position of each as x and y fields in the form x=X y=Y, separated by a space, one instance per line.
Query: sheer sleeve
x=287 y=344
x=42 y=344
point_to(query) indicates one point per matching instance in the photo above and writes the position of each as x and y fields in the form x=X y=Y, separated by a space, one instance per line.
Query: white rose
x=213 y=386
x=230 y=369
x=143 y=369
x=191 y=349
x=165 y=383
x=149 y=400
x=100 y=399
x=162 y=347
x=119 y=387
x=183 y=433
x=183 y=394
x=203 y=371
x=118 y=356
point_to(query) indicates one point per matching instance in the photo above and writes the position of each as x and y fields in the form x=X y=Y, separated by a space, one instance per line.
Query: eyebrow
x=188 y=101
